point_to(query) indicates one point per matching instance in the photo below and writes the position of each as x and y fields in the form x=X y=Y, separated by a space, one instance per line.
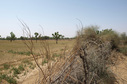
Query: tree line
x=36 y=37
x=56 y=36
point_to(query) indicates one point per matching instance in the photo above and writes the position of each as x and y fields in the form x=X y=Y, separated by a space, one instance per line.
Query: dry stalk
x=30 y=45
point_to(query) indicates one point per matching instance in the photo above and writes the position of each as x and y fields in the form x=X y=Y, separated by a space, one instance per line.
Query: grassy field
x=16 y=50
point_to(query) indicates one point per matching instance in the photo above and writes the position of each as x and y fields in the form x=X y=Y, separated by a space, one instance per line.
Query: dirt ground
x=32 y=76
x=120 y=71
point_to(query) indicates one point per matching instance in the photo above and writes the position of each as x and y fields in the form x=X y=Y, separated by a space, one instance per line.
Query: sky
x=61 y=15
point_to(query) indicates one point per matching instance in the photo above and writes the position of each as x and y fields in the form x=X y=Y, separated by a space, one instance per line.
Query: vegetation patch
x=16 y=71
x=9 y=79
x=6 y=66
x=20 y=53
x=31 y=67
x=21 y=68
x=27 y=62
x=45 y=61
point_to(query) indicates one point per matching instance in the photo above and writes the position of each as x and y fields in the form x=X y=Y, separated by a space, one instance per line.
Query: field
x=17 y=65
x=15 y=57
x=17 y=50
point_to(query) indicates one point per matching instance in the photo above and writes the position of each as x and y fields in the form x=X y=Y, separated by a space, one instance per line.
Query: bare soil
x=120 y=71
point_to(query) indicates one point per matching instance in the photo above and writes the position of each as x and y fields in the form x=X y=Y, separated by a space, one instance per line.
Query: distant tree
x=12 y=37
x=62 y=36
x=0 y=37
x=36 y=36
x=56 y=36
x=22 y=38
x=8 y=38
x=45 y=37
x=40 y=37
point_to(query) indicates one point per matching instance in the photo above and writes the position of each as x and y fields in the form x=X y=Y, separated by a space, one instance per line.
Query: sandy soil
x=30 y=78
x=120 y=71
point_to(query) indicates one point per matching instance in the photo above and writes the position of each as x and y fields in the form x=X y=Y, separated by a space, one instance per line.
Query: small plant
x=6 y=66
x=27 y=62
x=16 y=71
x=31 y=67
x=45 y=61
x=21 y=68
x=56 y=55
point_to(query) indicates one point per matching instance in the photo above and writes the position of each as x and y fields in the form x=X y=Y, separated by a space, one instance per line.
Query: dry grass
x=13 y=53
x=18 y=46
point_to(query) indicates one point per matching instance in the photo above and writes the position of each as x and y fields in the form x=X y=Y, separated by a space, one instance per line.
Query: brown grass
x=18 y=46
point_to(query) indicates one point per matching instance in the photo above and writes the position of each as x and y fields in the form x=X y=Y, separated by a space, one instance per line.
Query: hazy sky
x=60 y=15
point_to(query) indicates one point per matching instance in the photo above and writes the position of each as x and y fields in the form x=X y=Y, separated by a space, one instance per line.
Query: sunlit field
x=17 y=50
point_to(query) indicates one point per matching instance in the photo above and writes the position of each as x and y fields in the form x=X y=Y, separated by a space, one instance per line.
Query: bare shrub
x=95 y=54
